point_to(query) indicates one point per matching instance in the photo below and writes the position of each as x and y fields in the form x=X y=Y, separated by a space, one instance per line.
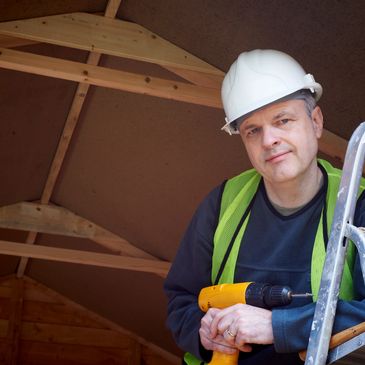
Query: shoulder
x=209 y=208
x=208 y=211
x=334 y=177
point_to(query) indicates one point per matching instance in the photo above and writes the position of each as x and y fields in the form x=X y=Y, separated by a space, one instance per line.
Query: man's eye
x=283 y=121
x=252 y=132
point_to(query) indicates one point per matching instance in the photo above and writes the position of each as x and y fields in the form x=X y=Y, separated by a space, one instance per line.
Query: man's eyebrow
x=249 y=126
x=281 y=114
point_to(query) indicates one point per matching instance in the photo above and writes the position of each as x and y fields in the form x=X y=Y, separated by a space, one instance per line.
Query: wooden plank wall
x=38 y=327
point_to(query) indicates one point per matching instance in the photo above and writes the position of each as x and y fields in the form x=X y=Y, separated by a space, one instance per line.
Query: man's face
x=282 y=140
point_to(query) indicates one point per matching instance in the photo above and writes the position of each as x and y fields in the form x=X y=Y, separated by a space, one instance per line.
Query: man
x=268 y=225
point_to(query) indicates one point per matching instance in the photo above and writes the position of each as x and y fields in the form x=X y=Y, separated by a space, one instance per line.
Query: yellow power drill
x=256 y=294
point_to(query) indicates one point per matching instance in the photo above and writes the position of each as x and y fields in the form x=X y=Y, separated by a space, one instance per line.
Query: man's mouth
x=276 y=157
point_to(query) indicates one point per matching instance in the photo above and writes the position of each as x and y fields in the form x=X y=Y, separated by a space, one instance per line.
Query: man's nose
x=270 y=137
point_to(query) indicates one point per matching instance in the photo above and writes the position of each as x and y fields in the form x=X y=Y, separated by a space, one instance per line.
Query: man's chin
x=280 y=177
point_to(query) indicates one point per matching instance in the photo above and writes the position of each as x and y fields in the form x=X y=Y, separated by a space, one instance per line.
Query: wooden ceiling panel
x=40 y=326
x=137 y=302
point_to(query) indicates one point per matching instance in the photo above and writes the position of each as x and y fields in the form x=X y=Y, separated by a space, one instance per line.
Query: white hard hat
x=258 y=78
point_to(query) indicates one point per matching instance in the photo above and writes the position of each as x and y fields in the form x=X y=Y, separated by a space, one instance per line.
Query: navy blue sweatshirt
x=275 y=249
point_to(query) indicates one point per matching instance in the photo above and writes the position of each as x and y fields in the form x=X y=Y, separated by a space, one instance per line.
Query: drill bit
x=301 y=295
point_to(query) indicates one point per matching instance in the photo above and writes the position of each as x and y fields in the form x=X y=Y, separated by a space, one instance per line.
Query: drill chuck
x=268 y=296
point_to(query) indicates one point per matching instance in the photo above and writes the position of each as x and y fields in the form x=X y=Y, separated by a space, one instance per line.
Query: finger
x=205 y=322
x=225 y=324
x=230 y=336
x=222 y=347
x=216 y=326
x=212 y=312
x=208 y=317
x=218 y=344
x=204 y=332
x=245 y=348
x=205 y=340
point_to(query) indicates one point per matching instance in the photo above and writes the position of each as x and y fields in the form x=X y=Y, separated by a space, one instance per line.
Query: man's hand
x=216 y=342
x=243 y=324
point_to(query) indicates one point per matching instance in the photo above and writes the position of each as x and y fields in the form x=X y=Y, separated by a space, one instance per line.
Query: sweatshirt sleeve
x=291 y=327
x=189 y=273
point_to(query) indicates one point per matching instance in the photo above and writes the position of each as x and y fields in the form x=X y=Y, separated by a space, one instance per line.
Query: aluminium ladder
x=342 y=230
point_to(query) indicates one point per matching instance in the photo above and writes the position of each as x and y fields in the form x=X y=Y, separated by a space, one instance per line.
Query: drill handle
x=224 y=359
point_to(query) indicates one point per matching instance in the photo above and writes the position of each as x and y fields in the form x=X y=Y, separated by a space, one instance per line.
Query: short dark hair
x=307 y=97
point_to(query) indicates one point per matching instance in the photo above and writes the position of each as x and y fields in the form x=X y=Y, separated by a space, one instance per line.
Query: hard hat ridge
x=261 y=77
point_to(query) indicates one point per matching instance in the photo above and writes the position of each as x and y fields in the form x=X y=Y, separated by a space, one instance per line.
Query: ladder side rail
x=336 y=250
x=357 y=236
x=346 y=348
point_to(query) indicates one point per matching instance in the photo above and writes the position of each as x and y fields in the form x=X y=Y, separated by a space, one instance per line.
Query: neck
x=296 y=192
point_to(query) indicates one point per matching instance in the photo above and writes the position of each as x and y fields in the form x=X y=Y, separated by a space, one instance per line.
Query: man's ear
x=317 y=120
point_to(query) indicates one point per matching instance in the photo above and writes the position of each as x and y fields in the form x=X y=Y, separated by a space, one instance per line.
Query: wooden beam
x=31 y=237
x=195 y=77
x=73 y=116
x=112 y=8
x=198 y=78
x=84 y=257
x=52 y=219
x=108 y=36
x=102 y=76
x=69 y=128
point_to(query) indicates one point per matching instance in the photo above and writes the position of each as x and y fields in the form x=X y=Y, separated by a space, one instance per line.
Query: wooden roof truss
x=101 y=35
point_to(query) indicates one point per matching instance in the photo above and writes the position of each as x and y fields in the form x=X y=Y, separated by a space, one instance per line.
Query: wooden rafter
x=51 y=219
x=84 y=257
x=108 y=36
x=70 y=125
x=195 y=77
x=114 y=37
x=105 y=77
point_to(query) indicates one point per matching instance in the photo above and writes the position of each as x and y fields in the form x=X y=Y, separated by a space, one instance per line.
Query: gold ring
x=229 y=333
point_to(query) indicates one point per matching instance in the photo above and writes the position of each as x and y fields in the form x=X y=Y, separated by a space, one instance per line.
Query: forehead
x=274 y=110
